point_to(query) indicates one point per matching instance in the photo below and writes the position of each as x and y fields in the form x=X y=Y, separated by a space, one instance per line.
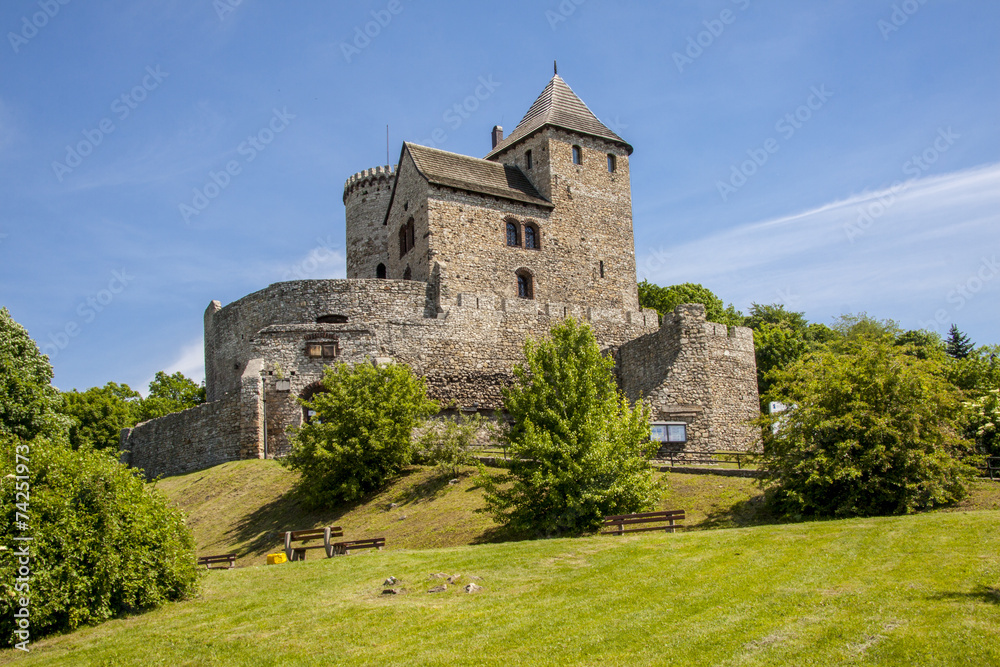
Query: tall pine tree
x=958 y=344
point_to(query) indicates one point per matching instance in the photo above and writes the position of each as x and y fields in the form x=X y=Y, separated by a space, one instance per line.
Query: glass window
x=524 y=287
x=662 y=432
x=530 y=237
x=512 y=239
x=527 y=158
x=611 y=162
x=577 y=155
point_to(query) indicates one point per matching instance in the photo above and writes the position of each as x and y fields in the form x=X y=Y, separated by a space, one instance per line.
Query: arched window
x=380 y=271
x=612 y=162
x=513 y=235
x=407 y=274
x=525 y=285
x=530 y=236
x=577 y=155
x=307 y=395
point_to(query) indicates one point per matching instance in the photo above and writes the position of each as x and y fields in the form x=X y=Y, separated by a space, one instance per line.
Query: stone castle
x=452 y=262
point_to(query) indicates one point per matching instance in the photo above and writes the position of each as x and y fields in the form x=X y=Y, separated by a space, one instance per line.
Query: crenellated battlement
x=368 y=176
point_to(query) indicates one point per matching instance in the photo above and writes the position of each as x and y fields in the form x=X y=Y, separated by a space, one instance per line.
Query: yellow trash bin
x=276 y=559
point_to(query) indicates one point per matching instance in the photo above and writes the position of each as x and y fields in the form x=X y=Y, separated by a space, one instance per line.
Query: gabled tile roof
x=559 y=106
x=473 y=174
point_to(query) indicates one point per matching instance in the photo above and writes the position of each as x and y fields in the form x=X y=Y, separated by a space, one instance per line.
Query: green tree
x=872 y=431
x=579 y=451
x=99 y=414
x=103 y=542
x=361 y=433
x=921 y=344
x=27 y=399
x=169 y=394
x=983 y=422
x=665 y=299
x=958 y=345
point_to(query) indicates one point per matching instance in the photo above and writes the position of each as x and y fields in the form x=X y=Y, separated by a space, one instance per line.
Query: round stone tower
x=366 y=198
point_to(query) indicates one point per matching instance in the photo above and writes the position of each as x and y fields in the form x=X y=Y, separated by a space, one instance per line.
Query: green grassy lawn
x=245 y=507
x=915 y=590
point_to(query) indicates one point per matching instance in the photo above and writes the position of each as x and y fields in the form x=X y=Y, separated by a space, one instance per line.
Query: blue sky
x=834 y=157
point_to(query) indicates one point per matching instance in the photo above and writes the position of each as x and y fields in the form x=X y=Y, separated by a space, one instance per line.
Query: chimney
x=497 y=135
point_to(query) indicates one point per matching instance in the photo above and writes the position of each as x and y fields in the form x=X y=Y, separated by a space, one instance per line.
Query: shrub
x=103 y=543
x=579 y=451
x=28 y=399
x=447 y=443
x=872 y=431
x=361 y=433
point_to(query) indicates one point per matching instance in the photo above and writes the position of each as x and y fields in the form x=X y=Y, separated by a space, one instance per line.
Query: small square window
x=330 y=350
x=313 y=350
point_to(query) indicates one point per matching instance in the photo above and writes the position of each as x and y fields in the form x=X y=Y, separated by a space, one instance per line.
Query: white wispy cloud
x=189 y=360
x=899 y=252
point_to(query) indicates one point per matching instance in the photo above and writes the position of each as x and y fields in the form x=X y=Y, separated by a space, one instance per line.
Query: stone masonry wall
x=696 y=372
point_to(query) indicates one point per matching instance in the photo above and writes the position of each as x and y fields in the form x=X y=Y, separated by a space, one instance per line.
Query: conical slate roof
x=559 y=106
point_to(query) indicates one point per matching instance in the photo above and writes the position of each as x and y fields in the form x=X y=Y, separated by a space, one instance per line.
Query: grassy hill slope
x=889 y=591
x=245 y=506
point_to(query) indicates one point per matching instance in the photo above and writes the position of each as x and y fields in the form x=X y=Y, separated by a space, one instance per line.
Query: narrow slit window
x=602 y=268
x=577 y=155
x=527 y=159
x=612 y=163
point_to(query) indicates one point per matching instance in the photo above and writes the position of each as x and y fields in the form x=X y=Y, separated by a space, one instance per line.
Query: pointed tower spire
x=555 y=67
x=559 y=106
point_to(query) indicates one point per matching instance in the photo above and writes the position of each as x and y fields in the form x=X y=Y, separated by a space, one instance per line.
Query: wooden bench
x=293 y=553
x=344 y=548
x=221 y=562
x=667 y=518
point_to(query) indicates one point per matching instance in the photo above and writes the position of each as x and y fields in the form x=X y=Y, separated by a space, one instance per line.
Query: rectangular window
x=611 y=162
x=577 y=156
x=668 y=432
x=602 y=268
x=527 y=158
x=314 y=350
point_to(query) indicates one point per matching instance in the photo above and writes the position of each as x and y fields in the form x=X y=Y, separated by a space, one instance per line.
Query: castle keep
x=452 y=262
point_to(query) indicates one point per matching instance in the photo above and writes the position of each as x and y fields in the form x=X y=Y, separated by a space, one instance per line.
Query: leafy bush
x=447 y=443
x=168 y=394
x=872 y=431
x=103 y=543
x=361 y=433
x=579 y=451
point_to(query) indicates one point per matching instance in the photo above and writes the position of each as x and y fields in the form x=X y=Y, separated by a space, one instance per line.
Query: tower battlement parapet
x=368 y=176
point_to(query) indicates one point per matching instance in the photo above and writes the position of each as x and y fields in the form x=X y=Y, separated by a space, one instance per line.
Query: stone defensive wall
x=257 y=366
x=697 y=372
